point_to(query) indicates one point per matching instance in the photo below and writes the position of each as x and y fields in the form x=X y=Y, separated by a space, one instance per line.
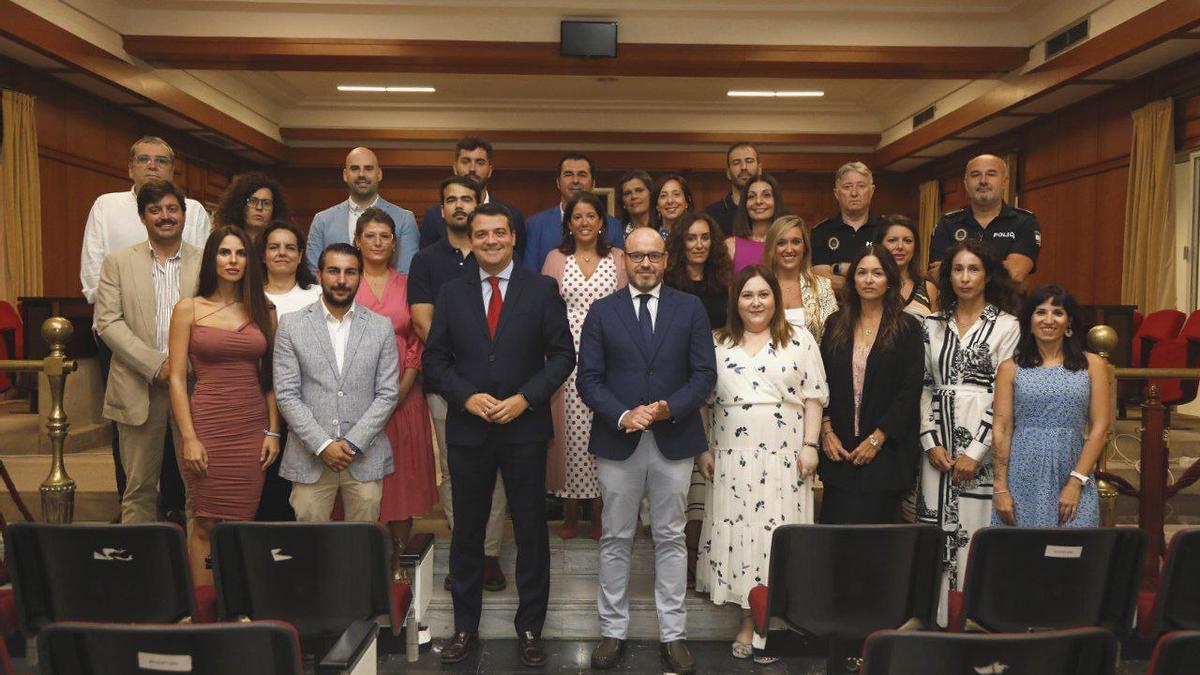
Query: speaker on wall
x=588 y=38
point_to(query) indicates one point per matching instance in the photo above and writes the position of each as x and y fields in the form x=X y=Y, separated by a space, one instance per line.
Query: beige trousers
x=142 y=456
x=313 y=502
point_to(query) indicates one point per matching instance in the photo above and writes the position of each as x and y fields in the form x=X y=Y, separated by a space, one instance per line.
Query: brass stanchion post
x=58 y=490
x=1103 y=340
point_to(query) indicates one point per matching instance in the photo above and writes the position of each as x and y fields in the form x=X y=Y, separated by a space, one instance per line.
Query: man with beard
x=472 y=159
x=446 y=259
x=337 y=380
x=741 y=164
x=135 y=295
x=836 y=241
x=1012 y=233
x=335 y=224
x=576 y=173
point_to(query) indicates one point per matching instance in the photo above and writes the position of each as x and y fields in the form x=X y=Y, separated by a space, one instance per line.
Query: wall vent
x=1069 y=37
x=923 y=117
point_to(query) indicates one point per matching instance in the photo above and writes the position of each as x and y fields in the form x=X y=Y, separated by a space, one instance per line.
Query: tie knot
x=495 y=282
x=644 y=298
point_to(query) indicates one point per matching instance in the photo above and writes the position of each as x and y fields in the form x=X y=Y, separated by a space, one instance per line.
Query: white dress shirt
x=504 y=275
x=652 y=307
x=114 y=224
x=355 y=212
x=339 y=332
x=165 y=277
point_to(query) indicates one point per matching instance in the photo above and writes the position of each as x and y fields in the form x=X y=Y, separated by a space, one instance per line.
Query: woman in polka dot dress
x=586 y=269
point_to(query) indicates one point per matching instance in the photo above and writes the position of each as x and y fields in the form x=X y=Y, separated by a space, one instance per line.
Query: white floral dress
x=756 y=431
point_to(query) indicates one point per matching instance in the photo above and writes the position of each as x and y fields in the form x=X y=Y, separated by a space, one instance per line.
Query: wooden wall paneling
x=1076 y=137
x=1107 y=239
x=1043 y=202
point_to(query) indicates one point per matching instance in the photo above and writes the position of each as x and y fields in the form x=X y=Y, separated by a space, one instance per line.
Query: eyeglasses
x=256 y=203
x=654 y=257
x=160 y=160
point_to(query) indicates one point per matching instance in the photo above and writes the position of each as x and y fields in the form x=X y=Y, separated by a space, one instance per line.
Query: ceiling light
x=773 y=94
x=391 y=90
x=347 y=87
x=411 y=90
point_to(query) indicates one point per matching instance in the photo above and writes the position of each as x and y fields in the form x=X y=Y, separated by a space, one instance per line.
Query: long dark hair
x=839 y=329
x=999 y=290
x=638 y=175
x=250 y=288
x=232 y=209
x=304 y=275
x=914 y=263
x=1027 y=354
x=659 y=186
x=734 y=330
x=741 y=220
x=718 y=268
x=567 y=247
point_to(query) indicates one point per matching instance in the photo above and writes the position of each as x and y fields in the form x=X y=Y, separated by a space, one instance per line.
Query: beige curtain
x=930 y=209
x=1148 y=273
x=20 y=200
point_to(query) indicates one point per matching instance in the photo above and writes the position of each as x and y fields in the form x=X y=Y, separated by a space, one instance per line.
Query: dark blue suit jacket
x=617 y=372
x=543 y=233
x=433 y=225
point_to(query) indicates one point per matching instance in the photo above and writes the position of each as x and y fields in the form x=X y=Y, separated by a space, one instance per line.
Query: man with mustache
x=135 y=295
x=337 y=380
x=362 y=175
x=444 y=260
x=576 y=173
x=837 y=240
x=114 y=223
x=742 y=163
x=472 y=159
x=1012 y=233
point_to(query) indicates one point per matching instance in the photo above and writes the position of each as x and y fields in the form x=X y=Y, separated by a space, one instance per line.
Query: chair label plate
x=166 y=663
x=1053 y=551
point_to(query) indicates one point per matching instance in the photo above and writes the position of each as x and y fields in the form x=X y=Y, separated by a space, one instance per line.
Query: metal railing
x=58 y=490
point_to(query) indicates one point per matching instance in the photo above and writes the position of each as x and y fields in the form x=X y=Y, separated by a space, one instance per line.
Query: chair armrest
x=349 y=648
x=418 y=547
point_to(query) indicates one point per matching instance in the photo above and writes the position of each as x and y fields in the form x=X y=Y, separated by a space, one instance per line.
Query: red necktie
x=495 y=304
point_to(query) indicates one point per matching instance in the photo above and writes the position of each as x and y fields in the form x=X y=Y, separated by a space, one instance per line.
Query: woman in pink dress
x=410 y=489
x=761 y=203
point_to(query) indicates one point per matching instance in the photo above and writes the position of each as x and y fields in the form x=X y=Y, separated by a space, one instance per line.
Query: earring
x=1069 y=332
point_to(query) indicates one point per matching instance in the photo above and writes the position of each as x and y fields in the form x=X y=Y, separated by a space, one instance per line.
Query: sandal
x=742 y=650
x=765 y=660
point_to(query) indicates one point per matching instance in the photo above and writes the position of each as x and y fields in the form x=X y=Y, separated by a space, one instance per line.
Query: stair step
x=572 y=613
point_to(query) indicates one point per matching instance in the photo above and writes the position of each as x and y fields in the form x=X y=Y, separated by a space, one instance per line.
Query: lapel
x=189 y=270
x=625 y=311
x=662 y=319
x=338 y=231
x=474 y=304
x=516 y=284
x=316 y=318
x=358 y=326
x=142 y=277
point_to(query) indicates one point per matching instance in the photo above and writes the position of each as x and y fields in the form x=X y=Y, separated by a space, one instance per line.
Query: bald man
x=1013 y=234
x=362 y=175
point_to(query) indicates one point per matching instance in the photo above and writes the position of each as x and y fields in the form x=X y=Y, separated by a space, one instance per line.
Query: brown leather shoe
x=446 y=583
x=676 y=656
x=458 y=647
x=493 y=576
x=533 y=654
x=608 y=653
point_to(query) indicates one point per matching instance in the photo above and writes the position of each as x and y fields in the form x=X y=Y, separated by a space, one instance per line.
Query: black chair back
x=851 y=580
x=1078 y=651
x=262 y=648
x=102 y=573
x=319 y=577
x=1178 y=603
x=1176 y=653
x=1032 y=579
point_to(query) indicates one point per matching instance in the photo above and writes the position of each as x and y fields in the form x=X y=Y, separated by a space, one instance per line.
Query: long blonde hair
x=771 y=258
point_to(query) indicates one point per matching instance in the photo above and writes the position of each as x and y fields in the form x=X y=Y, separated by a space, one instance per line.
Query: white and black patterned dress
x=956 y=414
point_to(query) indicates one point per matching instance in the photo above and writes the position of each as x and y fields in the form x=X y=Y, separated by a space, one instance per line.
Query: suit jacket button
x=491 y=358
x=341 y=394
x=650 y=373
x=334 y=422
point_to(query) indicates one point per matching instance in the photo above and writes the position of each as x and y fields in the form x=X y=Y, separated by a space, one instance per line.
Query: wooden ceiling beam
x=579 y=137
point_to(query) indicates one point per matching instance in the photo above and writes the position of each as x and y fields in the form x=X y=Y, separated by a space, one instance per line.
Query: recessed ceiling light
x=744 y=93
x=379 y=89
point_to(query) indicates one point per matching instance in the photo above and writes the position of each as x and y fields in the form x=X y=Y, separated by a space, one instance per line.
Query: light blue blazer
x=332 y=226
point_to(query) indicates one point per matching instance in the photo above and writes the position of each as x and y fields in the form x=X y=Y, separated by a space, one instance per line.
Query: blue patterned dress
x=1050 y=414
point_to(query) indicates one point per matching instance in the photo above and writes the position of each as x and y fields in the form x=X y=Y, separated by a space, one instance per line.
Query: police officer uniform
x=835 y=242
x=1012 y=231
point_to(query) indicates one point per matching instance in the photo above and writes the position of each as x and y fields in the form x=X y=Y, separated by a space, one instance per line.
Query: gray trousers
x=622 y=484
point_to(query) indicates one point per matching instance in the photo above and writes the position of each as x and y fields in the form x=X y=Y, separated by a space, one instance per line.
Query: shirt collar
x=654 y=292
x=354 y=208
x=154 y=255
x=504 y=274
x=329 y=315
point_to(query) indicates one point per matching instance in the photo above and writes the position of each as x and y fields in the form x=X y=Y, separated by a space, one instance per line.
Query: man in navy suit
x=498 y=349
x=544 y=230
x=646 y=365
x=335 y=224
x=472 y=159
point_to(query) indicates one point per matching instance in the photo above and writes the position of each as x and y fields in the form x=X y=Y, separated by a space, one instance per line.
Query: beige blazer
x=125 y=310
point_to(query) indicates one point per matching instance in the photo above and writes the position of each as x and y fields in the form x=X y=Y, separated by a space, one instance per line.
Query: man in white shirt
x=114 y=224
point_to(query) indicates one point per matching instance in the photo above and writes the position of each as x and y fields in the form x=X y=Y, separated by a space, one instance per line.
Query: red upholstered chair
x=1181 y=351
x=1176 y=606
x=1158 y=326
x=11 y=333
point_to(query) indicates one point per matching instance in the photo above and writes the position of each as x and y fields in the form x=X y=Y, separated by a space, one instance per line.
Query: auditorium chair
x=1156 y=327
x=840 y=583
x=12 y=339
x=1176 y=653
x=1181 y=351
x=1033 y=579
x=1074 y=651
x=332 y=581
x=260 y=647
x=99 y=573
x=1176 y=605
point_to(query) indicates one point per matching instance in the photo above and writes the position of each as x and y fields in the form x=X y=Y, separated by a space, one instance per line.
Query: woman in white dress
x=965 y=342
x=763 y=433
x=808 y=298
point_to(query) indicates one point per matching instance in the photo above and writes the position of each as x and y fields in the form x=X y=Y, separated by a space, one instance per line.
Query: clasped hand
x=641 y=417
x=490 y=409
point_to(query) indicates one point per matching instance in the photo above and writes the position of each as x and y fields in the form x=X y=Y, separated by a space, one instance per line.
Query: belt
x=970 y=388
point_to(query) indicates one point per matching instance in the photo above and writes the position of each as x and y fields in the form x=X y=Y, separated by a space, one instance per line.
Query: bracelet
x=272 y=434
x=810 y=444
x=999 y=491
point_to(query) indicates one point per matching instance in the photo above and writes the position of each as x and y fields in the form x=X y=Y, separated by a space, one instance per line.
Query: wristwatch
x=1083 y=480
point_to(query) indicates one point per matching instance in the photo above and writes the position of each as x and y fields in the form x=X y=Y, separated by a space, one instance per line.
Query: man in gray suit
x=337 y=381
x=335 y=224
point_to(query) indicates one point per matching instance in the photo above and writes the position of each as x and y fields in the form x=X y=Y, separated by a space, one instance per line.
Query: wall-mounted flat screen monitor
x=588 y=38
